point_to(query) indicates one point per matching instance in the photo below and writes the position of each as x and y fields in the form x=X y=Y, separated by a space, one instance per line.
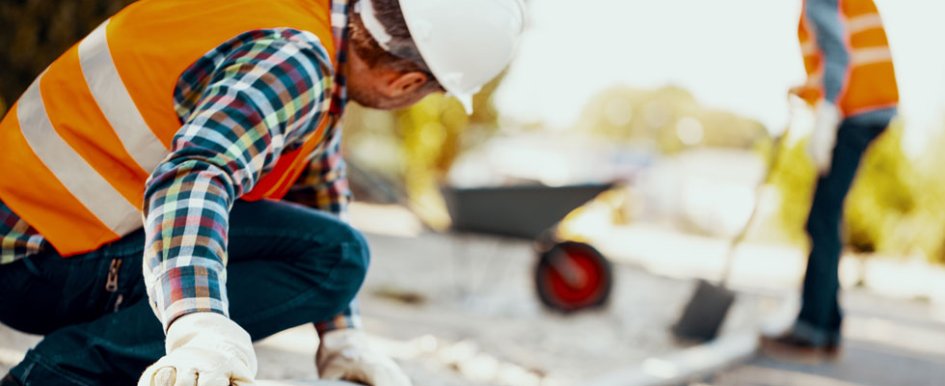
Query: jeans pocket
x=18 y=292
x=13 y=281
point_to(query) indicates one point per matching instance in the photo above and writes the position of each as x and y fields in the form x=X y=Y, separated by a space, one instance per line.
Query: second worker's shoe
x=790 y=347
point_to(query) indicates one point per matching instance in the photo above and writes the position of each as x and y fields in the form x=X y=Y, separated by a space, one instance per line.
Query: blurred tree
x=36 y=32
x=883 y=195
x=795 y=180
x=894 y=207
x=669 y=118
x=415 y=147
x=925 y=229
x=434 y=133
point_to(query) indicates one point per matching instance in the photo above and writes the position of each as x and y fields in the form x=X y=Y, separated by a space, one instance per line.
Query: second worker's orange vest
x=870 y=82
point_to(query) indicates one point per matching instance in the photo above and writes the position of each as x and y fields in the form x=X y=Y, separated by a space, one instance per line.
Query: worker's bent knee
x=340 y=259
x=352 y=267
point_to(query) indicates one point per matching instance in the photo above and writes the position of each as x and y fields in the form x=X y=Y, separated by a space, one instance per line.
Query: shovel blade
x=702 y=318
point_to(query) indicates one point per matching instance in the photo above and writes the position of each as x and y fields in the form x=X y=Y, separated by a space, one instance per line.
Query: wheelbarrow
x=569 y=276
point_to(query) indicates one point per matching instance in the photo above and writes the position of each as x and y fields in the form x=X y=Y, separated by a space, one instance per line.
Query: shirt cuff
x=340 y=322
x=186 y=290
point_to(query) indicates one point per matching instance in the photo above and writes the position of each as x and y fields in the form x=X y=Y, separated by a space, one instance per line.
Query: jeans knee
x=341 y=259
x=357 y=259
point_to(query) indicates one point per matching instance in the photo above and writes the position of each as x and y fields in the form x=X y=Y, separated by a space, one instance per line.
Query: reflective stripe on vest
x=81 y=142
x=864 y=56
x=113 y=99
x=85 y=184
x=864 y=23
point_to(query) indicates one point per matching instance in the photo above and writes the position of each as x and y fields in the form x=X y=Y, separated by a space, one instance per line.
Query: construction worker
x=852 y=87
x=149 y=160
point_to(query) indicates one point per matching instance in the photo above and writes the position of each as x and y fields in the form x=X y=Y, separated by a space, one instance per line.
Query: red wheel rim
x=587 y=290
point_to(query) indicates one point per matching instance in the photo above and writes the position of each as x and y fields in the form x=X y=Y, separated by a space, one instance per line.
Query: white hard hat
x=465 y=43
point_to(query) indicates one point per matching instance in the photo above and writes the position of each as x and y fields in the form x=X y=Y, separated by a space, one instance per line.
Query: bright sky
x=739 y=55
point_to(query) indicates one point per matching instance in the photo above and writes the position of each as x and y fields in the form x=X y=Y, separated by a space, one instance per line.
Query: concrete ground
x=889 y=343
x=895 y=318
x=460 y=311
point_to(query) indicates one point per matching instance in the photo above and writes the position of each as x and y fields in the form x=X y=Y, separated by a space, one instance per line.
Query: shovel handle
x=774 y=164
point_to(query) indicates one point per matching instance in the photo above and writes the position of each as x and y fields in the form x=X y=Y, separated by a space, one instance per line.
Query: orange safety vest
x=80 y=143
x=870 y=82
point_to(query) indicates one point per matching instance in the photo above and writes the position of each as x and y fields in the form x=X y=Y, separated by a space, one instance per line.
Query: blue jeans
x=820 y=317
x=288 y=266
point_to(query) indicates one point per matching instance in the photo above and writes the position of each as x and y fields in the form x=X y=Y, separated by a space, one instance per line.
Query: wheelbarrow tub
x=521 y=211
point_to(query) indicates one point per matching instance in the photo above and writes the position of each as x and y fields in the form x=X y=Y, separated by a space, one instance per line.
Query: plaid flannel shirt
x=242 y=105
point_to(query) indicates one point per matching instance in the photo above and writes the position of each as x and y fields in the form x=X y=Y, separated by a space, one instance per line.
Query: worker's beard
x=372 y=99
x=367 y=98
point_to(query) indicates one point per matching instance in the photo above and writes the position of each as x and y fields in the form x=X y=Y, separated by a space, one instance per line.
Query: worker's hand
x=346 y=355
x=204 y=349
x=824 y=138
x=808 y=92
x=798 y=90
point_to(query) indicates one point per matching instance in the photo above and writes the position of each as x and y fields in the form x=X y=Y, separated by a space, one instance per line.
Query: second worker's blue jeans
x=820 y=318
x=288 y=266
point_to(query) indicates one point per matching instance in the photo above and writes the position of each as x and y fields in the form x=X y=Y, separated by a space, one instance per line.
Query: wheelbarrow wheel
x=572 y=277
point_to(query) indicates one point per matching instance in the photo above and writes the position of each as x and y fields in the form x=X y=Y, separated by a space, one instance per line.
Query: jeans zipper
x=111 y=285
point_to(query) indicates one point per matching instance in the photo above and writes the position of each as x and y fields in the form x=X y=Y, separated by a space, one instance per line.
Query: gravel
x=460 y=310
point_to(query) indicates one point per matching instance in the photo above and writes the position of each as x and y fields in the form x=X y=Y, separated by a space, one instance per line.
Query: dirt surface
x=461 y=311
x=888 y=342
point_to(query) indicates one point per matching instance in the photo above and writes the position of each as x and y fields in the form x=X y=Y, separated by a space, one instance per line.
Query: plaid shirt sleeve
x=249 y=100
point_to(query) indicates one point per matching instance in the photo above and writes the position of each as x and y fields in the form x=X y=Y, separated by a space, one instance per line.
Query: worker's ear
x=407 y=83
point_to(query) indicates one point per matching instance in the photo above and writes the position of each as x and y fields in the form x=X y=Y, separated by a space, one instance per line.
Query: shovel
x=703 y=316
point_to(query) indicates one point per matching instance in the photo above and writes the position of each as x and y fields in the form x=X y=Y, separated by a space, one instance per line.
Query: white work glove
x=824 y=138
x=346 y=355
x=204 y=349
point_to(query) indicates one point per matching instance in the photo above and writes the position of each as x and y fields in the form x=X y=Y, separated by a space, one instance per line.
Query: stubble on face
x=365 y=94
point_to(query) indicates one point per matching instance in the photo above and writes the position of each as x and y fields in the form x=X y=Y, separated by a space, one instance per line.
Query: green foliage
x=434 y=133
x=430 y=134
x=924 y=230
x=417 y=146
x=883 y=195
x=795 y=180
x=894 y=207
x=669 y=118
